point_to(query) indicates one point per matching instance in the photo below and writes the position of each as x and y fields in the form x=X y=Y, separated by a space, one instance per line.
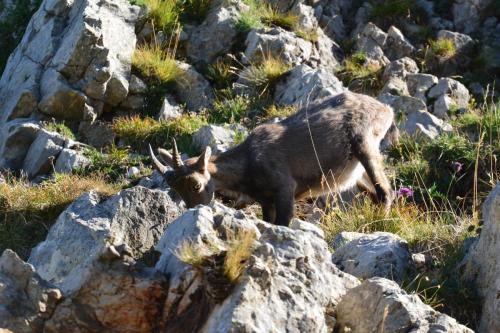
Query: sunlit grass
x=138 y=132
x=443 y=48
x=27 y=211
x=153 y=61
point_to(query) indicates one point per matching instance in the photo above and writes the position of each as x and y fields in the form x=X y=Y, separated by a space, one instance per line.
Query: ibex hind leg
x=371 y=159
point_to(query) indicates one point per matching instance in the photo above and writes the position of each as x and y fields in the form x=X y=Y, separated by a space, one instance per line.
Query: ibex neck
x=227 y=170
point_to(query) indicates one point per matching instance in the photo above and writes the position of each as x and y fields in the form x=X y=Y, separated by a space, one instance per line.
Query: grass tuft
x=238 y=248
x=357 y=69
x=262 y=77
x=231 y=110
x=443 y=48
x=60 y=128
x=152 y=61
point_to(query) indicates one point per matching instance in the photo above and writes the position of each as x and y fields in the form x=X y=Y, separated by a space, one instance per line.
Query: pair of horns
x=176 y=160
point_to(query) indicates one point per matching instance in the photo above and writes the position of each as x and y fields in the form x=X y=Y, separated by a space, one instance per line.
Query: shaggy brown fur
x=322 y=148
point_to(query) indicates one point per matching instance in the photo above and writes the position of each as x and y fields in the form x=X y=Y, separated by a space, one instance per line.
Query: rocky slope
x=92 y=82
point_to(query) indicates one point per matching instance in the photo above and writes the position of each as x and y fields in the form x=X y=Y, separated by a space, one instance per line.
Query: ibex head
x=190 y=178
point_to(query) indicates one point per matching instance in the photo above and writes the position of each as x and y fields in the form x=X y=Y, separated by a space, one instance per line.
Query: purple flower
x=405 y=192
x=457 y=166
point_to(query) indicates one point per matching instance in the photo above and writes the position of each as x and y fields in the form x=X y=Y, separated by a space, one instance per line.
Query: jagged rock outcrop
x=293 y=50
x=91 y=225
x=193 y=89
x=482 y=265
x=380 y=47
x=379 y=305
x=304 y=85
x=217 y=34
x=380 y=254
x=417 y=120
x=289 y=271
x=73 y=60
x=26 y=300
x=219 y=138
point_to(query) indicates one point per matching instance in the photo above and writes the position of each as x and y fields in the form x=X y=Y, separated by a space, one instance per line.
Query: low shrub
x=443 y=48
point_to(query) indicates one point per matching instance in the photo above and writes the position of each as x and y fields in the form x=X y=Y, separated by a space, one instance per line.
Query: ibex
x=323 y=147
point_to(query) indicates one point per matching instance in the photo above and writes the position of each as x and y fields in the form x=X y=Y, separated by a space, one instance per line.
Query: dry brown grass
x=27 y=211
x=238 y=247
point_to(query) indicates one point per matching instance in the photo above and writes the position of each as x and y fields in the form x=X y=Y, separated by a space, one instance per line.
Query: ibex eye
x=197 y=187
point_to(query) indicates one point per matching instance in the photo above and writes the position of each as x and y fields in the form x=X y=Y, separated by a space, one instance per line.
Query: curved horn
x=176 y=156
x=156 y=162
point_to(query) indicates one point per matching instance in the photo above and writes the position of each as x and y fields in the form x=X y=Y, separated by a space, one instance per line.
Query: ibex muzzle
x=326 y=147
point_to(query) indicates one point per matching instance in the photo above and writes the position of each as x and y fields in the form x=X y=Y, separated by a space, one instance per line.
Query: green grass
x=154 y=62
x=458 y=167
x=159 y=70
x=271 y=16
x=222 y=73
x=12 y=28
x=231 y=110
x=261 y=13
x=247 y=21
x=60 y=128
x=262 y=77
x=139 y=132
x=439 y=234
x=163 y=13
x=443 y=48
x=27 y=211
x=195 y=10
x=113 y=165
x=391 y=12
x=356 y=70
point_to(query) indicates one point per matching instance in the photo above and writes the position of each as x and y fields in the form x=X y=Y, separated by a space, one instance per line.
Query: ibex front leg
x=284 y=200
x=371 y=159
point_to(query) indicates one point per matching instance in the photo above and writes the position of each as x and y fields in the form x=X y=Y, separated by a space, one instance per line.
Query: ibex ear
x=165 y=157
x=204 y=158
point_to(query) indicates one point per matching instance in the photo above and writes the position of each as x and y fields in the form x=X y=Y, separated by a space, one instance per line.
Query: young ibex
x=323 y=147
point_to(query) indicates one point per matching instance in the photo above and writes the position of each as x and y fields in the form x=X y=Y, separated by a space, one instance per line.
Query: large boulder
x=74 y=59
x=119 y=295
x=219 y=138
x=92 y=225
x=416 y=119
x=276 y=42
x=419 y=84
x=291 y=49
x=217 y=34
x=42 y=154
x=304 y=85
x=371 y=42
x=289 y=271
x=379 y=254
x=457 y=97
x=16 y=137
x=483 y=263
x=26 y=300
x=380 y=305
x=466 y=14
x=193 y=89
x=69 y=160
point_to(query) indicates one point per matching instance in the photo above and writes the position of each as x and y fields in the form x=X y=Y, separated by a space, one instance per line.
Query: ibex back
x=323 y=147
